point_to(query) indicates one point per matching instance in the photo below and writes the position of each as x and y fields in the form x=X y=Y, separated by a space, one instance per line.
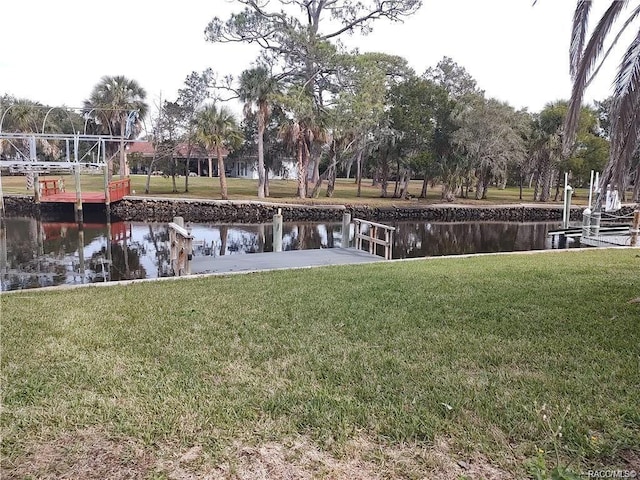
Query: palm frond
x=588 y=59
x=626 y=113
x=578 y=34
x=629 y=20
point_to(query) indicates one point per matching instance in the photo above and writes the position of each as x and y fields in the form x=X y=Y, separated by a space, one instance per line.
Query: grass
x=465 y=350
x=285 y=191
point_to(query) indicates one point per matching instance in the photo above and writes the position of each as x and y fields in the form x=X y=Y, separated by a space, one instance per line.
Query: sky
x=54 y=52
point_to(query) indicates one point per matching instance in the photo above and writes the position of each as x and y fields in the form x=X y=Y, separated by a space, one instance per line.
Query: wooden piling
x=277 y=231
x=635 y=228
x=78 y=205
x=346 y=230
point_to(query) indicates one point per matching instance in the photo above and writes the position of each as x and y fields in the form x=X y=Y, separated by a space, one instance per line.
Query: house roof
x=140 y=147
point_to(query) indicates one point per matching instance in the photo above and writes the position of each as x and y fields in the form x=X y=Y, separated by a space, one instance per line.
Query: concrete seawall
x=144 y=209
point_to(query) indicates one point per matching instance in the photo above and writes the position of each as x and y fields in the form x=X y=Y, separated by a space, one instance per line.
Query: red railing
x=50 y=187
x=119 y=189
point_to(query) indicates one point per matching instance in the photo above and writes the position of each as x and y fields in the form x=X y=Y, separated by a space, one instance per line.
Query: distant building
x=139 y=155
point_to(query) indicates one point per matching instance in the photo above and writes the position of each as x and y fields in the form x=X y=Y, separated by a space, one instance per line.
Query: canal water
x=36 y=253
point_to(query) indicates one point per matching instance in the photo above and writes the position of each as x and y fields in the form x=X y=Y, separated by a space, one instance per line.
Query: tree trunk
x=302 y=174
x=375 y=180
x=485 y=186
x=404 y=192
x=359 y=174
x=396 y=190
x=349 y=164
x=266 y=182
x=187 y=171
x=123 y=159
x=555 y=198
x=222 y=174
x=261 y=171
x=547 y=180
x=479 y=185
x=210 y=166
x=521 y=182
x=331 y=181
x=174 y=161
x=425 y=182
x=384 y=181
x=147 y=186
x=316 y=170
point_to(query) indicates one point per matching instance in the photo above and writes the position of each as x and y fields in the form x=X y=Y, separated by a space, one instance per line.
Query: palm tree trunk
x=123 y=160
x=186 y=167
x=316 y=169
x=222 y=174
x=261 y=170
x=302 y=174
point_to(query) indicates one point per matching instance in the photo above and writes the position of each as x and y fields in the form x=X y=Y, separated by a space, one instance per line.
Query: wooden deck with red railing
x=53 y=191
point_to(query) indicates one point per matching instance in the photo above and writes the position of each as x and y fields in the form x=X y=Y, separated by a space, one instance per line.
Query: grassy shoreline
x=410 y=353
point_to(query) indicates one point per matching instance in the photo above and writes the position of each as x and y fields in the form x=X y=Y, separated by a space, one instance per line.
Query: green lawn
x=285 y=191
x=403 y=368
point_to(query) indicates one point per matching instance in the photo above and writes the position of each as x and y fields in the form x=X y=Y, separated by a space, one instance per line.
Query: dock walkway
x=281 y=260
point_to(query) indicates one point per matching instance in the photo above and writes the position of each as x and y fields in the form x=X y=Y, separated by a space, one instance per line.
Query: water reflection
x=35 y=254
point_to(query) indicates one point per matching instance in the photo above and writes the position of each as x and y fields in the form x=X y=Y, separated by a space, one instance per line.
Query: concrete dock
x=607 y=241
x=281 y=260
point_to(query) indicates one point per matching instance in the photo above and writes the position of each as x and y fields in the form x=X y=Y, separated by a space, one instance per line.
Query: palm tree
x=114 y=103
x=257 y=88
x=299 y=135
x=625 y=107
x=216 y=128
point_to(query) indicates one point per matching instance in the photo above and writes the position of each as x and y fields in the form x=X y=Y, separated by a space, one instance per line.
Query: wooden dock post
x=1 y=201
x=107 y=191
x=82 y=265
x=346 y=230
x=3 y=248
x=36 y=188
x=635 y=228
x=586 y=222
x=595 y=223
x=78 y=204
x=277 y=231
x=181 y=242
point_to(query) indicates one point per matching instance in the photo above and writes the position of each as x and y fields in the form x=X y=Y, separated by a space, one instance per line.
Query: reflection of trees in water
x=125 y=262
x=41 y=254
x=159 y=238
x=433 y=239
x=48 y=254
x=301 y=236
x=36 y=275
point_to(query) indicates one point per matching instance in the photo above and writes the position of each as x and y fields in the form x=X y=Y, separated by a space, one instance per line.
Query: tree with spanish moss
x=298 y=38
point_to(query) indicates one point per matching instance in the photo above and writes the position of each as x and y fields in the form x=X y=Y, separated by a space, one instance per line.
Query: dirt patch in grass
x=360 y=459
x=91 y=454
x=88 y=454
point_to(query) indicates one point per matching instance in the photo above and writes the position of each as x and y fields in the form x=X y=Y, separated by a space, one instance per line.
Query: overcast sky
x=54 y=52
